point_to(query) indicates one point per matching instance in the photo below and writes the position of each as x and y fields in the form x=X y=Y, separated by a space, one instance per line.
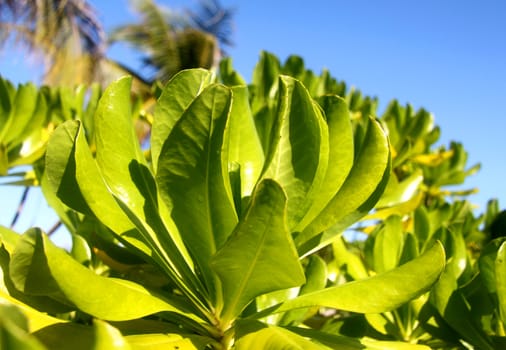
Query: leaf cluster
x=228 y=228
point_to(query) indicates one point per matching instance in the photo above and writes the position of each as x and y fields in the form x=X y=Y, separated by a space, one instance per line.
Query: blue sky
x=448 y=56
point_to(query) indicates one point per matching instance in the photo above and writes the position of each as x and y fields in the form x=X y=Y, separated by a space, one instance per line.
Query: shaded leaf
x=500 y=277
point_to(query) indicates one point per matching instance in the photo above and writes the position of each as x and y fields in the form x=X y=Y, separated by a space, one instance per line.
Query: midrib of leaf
x=209 y=276
x=208 y=182
x=183 y=271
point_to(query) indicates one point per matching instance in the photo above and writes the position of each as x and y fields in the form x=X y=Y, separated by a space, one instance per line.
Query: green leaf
x=117 y=144
x=359 y=193
x=260 y=256
x=399 y=192
x=450 y=302
x=75 y=178
x=72 y=336
x=500 y=277
x=120 y=169
x=274 y=338
x=348 y=261
x=40 y=302
x=340 y=158
x=244 y=147
x=101 y=335
x=228 y=75
x=13 y=330
x=373 y=344
x=486 y=263
x=381 y=292
x=316 y=279
x=344 y=343
x=4 y=160
x=38 y=320
x=333 y=341
x=8 y=238
x=193 y=177
x=264 y=80
x=167 y=342
x=125 y=171
x=299 y=150
x=106 y=337
x=6 y=90
x=38 y=267
x=21 y=112
x=176 y=97
x=388 y=245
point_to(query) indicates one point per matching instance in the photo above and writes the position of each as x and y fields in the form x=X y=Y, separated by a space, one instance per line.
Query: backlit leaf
x=176 y=97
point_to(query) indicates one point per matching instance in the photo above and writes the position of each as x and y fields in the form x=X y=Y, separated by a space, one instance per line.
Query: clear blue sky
x=448 y=56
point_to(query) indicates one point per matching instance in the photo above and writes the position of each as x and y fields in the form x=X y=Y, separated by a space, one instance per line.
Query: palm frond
x=153 y=36
x=211 y=17
x=171 y=41
x=55 y=30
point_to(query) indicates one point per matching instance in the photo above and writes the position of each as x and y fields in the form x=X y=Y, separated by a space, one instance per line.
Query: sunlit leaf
x=275 y=338
x=14 y=329
x=157 y=341
x=244 y=147
x=299 y=150
x=38 y=267
x=388 y=245
x=340 y=158
x=38 y=320
x=359 y=193
x=75 y=178
x=193 y=177
x=400 y=192
x=177 y=95
x=381 y=292
x=260 y=256
x=106 y=337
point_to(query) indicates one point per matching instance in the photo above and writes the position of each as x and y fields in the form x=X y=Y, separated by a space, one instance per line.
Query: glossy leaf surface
x=193 y=177
x=260 y=256
x=40 y=268
x=299 y=149
x=176 y=97
x=357 y=195
x=379 y=293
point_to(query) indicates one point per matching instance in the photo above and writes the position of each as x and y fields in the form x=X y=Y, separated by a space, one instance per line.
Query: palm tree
x=173 y=41
x=70 y=39
x=66 y=34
